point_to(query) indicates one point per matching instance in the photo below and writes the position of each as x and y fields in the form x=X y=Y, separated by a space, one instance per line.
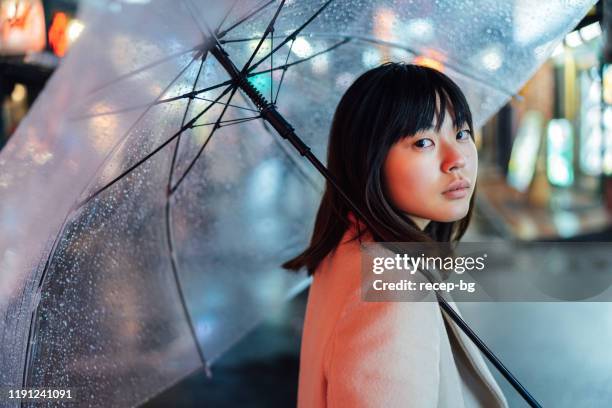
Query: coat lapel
x=474 y=357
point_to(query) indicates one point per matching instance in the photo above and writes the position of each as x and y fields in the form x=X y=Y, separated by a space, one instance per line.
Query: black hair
x=382 y=106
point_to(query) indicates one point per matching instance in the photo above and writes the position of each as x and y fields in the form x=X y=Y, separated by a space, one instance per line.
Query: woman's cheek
x=472 y=160
x=409 y=183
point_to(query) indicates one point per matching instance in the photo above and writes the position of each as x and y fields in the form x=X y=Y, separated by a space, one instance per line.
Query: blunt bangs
x=425 y=99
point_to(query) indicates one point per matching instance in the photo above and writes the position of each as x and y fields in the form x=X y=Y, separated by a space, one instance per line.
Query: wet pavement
x=261 y=370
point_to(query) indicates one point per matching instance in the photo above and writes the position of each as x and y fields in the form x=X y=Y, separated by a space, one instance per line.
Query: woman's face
x=419 y=171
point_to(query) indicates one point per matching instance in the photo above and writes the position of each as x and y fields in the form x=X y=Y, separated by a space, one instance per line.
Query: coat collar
x=474 y=356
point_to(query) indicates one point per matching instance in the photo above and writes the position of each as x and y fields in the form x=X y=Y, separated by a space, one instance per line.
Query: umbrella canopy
x=145 y=207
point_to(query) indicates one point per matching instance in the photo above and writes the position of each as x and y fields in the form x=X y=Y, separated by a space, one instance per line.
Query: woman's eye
x=423 y=143
x=463 y=135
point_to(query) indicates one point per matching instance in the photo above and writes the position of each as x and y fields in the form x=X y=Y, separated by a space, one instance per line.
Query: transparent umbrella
x=147 y=200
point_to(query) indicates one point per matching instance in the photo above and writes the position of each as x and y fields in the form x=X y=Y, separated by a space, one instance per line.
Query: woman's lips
x=457 y=189
x=459 y=193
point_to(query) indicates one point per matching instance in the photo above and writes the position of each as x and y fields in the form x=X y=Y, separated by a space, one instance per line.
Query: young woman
x=401 y=146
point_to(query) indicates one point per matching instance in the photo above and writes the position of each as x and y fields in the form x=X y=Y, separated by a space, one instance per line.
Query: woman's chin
x=452 y=214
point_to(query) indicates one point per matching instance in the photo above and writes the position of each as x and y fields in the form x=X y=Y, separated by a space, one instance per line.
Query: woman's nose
x=453 y=159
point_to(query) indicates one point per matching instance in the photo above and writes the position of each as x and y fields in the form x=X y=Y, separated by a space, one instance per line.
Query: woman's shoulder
x=347 y=272
x=345 y=259
x=415 y=311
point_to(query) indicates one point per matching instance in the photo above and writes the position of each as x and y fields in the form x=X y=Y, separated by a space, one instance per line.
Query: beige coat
x=384 y=354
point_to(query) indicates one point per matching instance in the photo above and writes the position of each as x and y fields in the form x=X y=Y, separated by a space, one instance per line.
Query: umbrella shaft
x=267 y=110
x=271 y=115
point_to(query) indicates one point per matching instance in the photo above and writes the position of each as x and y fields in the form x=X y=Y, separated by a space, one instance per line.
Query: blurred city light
x=492 y=59
x=590 y=32
x=64 y=31
x=19 y=93
x=560 y=144
x=428 y=62
x=370 y=57
x=420 y=29
x=302 y=48
x=573 y=39
x=22 y=24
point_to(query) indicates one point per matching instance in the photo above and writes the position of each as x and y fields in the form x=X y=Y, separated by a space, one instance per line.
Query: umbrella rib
x=212 y=132
x=229 y=122
x=228 y=104
x=156 y=150
x=240 y=120
x=114 y=112
x=141 y=69
x=280 y=83
x=178 y=141
x=169 y=234
x=245 y=18
x=285 y=66
x=269 y=30
x=272 y=64
x=199 y=91
x=237 y=40
x=194 y=93
x=181 y=294
x=189 y=95
x=213 y=34
x=227 y=14
x=293 y=34
x=188 y=5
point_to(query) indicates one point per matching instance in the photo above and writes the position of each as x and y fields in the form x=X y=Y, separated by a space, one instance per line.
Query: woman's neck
x=420 y=222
